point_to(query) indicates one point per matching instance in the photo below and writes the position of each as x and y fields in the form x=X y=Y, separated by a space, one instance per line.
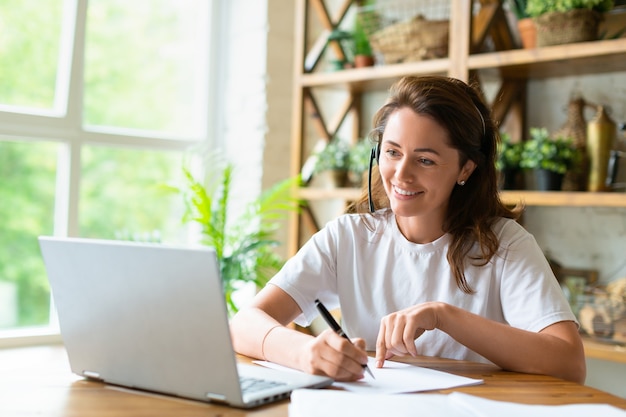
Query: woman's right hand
x=334 y=356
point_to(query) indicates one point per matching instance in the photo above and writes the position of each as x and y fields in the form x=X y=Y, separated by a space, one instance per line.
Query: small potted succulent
x=548 y=159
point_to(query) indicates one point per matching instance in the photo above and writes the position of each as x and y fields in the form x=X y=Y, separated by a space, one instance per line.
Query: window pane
x=27 y=181
x=29 y=52
x=123 y=197
x=145 y=65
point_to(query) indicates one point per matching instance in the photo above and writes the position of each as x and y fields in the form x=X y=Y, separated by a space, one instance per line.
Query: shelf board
x=604 y=351
x=564 y=199
x=529 y=198
x=558 y=60
x=549 y=61
x=373 y=78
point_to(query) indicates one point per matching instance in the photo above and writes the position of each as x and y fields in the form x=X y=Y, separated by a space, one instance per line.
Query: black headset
x=374 y=156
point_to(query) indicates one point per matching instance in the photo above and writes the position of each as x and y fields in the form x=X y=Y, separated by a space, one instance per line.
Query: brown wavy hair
x=474 y=207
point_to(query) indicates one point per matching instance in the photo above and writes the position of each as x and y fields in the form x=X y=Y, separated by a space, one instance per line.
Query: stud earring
x=461 y=183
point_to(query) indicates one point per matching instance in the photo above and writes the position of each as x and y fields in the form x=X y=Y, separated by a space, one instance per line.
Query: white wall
x=242 y=104
x=255 y=93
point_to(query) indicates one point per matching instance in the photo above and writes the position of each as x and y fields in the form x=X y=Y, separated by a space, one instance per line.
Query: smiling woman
x=85 y=156
x=440 y=268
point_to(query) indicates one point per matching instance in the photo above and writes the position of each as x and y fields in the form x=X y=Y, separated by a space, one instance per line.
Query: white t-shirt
x=371 y=272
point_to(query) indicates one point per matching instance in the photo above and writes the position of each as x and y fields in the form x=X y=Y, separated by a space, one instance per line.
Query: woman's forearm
x=258 y=335
x=556 y=350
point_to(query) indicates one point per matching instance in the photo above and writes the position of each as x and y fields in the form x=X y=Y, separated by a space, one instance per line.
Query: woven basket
x=414 y=40
x=406 y=30
x=578 y=25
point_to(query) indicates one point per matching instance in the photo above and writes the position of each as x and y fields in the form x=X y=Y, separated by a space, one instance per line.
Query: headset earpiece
x=376 y=153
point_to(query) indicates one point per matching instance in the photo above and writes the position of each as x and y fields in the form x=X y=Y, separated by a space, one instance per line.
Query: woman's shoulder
x=509 y=230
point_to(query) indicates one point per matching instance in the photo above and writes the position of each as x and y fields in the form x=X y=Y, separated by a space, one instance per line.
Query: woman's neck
x=420 y=229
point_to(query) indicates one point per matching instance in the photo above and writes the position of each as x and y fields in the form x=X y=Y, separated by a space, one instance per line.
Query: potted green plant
x=525 y=25
x=243 y=244
x=332 y=162
x=567 y=21
x=358 y=161
x=548 y=159
x=363 y=56
x=508 y=162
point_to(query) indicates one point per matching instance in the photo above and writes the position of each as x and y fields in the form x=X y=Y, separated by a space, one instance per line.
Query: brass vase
x=601 y=132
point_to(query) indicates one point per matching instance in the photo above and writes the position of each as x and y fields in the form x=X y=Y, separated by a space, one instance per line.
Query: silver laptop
x=153 y=317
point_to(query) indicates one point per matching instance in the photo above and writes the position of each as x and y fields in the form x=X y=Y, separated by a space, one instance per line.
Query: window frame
x=64 y=126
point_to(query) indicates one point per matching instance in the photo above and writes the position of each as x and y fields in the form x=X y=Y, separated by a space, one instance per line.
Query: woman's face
x=417 y=165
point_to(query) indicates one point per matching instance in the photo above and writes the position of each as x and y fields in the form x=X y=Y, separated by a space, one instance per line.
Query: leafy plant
x=518 y=7
x=509 y=154
x=542 y=152
x=538 y=7
x=334 y=156
x=359 y=157
x=361 y=41
x=243 y=244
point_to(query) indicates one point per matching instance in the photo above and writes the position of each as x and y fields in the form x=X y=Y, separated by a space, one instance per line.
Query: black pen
x=328 y=318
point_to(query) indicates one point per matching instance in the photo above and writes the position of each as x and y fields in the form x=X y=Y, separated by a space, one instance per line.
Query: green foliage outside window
x=120 y=195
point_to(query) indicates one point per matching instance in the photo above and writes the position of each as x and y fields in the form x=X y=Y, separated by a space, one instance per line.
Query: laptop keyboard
x=249 y=384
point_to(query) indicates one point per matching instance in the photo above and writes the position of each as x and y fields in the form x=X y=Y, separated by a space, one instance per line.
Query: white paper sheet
x=338 y=403
x=481 y=407
x=396 y=377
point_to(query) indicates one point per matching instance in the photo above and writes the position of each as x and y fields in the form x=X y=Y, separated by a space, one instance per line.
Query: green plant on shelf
x=332 y=157
x=509 y=154
x=359 y=158
x=539 y=7
x=552 y=154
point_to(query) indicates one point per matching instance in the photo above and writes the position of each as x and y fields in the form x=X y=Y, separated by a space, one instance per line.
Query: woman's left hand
x=399 y=330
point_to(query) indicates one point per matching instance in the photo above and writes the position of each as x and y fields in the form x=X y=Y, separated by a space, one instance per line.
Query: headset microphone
x=374 y=154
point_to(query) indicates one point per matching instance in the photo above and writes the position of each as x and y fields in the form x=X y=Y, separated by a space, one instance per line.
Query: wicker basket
x=578 y=25
x=404 y=31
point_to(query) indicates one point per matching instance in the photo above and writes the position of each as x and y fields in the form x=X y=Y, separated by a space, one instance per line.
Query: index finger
x=381 y=349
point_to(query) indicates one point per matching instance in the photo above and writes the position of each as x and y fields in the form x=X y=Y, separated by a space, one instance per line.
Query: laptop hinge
x=91 y=374
x=216 y=397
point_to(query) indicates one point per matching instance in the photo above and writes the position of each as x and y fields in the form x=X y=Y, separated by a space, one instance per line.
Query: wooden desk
x=38 y=381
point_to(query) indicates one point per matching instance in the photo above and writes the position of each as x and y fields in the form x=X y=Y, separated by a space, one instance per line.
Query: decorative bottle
x=601 y=133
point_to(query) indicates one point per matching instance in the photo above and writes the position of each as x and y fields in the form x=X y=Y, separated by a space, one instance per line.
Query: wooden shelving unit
x=466 y=60
x=514 y=67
